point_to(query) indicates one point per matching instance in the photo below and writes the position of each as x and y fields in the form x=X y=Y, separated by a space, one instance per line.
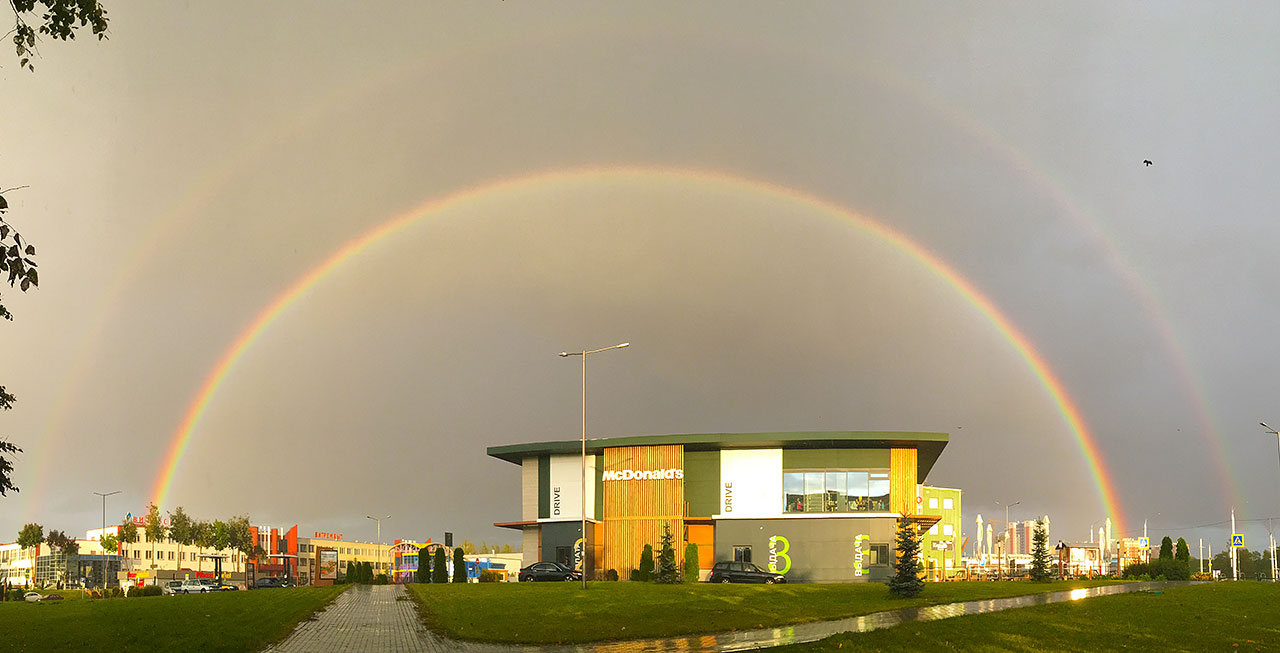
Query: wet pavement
x=384 y=618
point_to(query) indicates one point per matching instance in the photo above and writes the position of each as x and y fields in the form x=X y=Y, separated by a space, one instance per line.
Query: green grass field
x=546 y=613
x=224 y=621
x=1242 y=616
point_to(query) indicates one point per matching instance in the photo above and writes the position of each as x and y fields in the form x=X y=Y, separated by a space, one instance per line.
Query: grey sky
x=185 y=172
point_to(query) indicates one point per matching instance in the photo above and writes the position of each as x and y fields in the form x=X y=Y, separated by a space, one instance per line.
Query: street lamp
x=104 y=532
x=1008 y=534
x=380 y=535
x=1273 y=546
x=583 y=489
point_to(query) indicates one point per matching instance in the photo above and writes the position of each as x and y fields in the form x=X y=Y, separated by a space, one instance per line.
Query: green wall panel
x=544 y=487
x=834 y=458
x=702 y=482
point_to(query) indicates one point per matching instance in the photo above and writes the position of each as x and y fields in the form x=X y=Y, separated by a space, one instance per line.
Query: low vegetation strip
x=1239 y=616
x=562 y=613
x=223 y=621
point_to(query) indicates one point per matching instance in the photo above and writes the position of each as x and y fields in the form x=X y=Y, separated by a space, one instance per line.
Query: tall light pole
x=1274 y=567
x=1008 y=533
x=583 y=489
x=104 y=496
x=380 y=536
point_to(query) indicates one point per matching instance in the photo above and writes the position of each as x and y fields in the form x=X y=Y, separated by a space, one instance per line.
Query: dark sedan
x=548 y=571
x=743 y=572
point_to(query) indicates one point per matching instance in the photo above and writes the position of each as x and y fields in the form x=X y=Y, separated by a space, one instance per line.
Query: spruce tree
x=1166 y=548
x=1041 y=562
x=645 y=571
x=440 y=567
x=668 y=573
x=906 y=581
x=1182 y=553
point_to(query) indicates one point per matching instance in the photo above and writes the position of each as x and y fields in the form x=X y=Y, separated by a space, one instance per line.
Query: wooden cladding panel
x=636 y=510
x=902 y=481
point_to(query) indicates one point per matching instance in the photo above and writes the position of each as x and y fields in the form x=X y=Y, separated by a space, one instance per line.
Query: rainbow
x=271 y=312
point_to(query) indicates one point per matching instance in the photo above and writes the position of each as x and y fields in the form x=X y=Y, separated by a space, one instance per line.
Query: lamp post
x=1273 y=546
x=1008 y=534
x=380 y=533
x=104 y=508
x=583 y=489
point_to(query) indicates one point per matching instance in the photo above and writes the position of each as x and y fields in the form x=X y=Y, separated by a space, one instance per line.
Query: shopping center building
x=816 y=506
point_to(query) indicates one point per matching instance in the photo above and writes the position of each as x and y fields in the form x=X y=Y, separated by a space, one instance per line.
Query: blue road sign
x=1237 y=539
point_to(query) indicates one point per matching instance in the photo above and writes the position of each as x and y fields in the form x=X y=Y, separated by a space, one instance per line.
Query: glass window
x=857 y=491
x=837 y=499
x=742 y=553
x=814 y=494
x=878 y=491
x=948 y=529
x=878 y=554
x=933 y=530
x=793 y=489
x=948 y=504
x=933 y=503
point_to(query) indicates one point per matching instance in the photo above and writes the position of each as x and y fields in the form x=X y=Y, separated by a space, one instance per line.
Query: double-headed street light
x=104 y=496
x=379 y=520
x=583 y=488
x=1008 y=535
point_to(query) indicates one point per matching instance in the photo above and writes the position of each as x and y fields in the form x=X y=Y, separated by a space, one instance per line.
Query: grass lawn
x=546 y=613
x=222 y=621
x=1242 y=616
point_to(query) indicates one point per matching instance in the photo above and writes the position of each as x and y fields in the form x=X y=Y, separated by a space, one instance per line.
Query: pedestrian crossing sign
x=1144 y=543
x=1237 y=539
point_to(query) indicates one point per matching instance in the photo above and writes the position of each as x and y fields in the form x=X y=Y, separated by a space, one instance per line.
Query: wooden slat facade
x=636 y=510
x=902 y=481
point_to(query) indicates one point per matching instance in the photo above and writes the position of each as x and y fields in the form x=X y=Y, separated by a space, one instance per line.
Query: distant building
x=942 y=545
x=1076 y=559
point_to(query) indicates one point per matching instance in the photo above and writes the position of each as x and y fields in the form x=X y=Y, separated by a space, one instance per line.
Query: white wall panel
x=566 y=487
x=750 y=483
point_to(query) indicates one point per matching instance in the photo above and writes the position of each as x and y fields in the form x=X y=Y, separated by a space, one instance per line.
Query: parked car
x=170 y=588
x=32 y=597
x=227 y=587
x=195 y=586
x=743 y=572
x=51 y=597
x=548 y=571
x=267 y=582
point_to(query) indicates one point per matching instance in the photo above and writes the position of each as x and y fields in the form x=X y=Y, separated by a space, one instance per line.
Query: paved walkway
x=383 y=618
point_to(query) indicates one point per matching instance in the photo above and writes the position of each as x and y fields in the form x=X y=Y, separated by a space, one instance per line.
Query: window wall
x=845 y=490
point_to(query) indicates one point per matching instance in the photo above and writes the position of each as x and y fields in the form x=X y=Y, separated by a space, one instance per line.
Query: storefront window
x=836 y=491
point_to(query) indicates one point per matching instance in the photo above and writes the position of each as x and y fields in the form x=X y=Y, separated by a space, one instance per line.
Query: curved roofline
x=928 y=445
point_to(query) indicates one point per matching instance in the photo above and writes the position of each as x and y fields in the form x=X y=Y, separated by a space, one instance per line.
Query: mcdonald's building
x=815 y=506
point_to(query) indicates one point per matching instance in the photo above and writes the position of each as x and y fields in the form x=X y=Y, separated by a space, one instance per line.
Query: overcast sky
x=184 y=173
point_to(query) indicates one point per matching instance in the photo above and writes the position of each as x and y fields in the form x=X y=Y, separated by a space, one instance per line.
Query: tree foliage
x=667 y=572
x=30 y=535
x=1166 y=548
x=1183 y=552
x=109 y=543
x=180 y=530
x=906 y=581
x=1041 y=562
x=153 y=527
x=60 y=19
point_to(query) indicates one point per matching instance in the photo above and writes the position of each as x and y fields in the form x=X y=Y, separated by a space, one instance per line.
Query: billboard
x=327 y=563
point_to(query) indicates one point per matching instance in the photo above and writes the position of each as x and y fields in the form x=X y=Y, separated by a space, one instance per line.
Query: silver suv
x=195 y=585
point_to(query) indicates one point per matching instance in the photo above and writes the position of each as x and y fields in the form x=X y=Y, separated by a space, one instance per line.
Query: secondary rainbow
x=267 y=315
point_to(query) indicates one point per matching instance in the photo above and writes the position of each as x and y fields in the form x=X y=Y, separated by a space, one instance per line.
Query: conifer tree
x=1041 y=562
x=424 y=566
x=459 y=566
x=668 y=573
x=906 y=581
x=645 y=570
x=691 y=569
x=440 y=567
x=1166 y=548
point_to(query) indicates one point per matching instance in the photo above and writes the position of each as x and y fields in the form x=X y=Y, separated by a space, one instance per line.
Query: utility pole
x=1235 y=574
x=1201 y=555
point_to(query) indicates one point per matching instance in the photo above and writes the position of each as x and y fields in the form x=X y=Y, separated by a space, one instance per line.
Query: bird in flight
x=1147 y=161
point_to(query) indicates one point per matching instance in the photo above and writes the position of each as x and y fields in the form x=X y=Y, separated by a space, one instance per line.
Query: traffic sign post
x=1237 y=539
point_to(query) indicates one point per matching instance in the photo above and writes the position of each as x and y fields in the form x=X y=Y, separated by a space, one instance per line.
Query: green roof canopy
x=927 y=445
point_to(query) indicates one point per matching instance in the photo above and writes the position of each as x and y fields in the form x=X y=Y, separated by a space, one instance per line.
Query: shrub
x=691 y=570
x=146 y=590
x=424 y=567
x=440 y=567
x=646 y=563
x=612 y=574
x=459 y=566
x=635 y=575
x=380 y=580
x=490 y=576
x=1159 y=569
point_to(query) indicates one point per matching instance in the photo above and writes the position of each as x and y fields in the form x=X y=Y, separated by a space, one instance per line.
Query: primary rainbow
x=265 y=317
